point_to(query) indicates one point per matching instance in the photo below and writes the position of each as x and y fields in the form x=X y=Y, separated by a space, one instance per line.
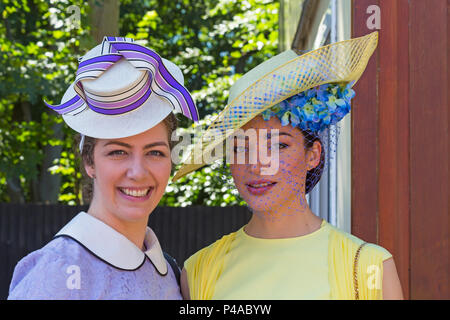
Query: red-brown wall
x=400 y=141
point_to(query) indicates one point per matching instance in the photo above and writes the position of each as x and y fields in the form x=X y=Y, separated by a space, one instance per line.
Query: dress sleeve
x=369 y=274
x=371 y=271
x=44 y=275
x=384 y=253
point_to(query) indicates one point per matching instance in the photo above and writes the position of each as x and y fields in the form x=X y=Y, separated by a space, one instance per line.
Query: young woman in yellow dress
x=285 y=251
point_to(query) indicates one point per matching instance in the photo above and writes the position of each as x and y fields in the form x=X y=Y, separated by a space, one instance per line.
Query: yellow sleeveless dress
x=318 y=265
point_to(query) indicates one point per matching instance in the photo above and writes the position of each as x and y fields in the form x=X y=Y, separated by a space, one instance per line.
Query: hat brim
x=341 y=62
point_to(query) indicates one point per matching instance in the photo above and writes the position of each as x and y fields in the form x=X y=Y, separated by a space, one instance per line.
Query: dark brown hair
x=313 y=176
x=87 y=156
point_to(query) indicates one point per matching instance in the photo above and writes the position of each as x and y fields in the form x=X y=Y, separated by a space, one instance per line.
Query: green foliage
x=213 y=42
x=210 y=186
x=38 y=43
x=68 y=166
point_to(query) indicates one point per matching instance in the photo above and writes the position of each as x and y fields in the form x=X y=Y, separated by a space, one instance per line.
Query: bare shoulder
x=392 y=289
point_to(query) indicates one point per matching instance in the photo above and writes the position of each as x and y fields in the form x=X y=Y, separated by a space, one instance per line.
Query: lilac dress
x=90 y=260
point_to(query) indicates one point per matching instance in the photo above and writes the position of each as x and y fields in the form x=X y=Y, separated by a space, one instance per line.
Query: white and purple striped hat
x=122 y=89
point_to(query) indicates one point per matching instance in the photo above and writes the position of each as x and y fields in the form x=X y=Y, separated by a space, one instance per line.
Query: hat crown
x=244 y=82
x=108 y=83
x=122 y=89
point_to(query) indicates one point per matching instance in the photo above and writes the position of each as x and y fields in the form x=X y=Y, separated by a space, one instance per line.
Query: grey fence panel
x=181 y=231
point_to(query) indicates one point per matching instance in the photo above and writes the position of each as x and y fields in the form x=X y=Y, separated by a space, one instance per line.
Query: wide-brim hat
x=277 y=79
x=122 y=89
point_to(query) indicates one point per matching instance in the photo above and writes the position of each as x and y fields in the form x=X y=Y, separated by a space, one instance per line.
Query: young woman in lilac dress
x=121 y=103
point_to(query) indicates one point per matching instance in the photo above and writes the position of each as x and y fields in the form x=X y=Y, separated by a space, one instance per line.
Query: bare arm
x=184 y=285
x=392 y=289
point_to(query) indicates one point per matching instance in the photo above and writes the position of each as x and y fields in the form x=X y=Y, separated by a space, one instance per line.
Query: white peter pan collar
x=111 y=246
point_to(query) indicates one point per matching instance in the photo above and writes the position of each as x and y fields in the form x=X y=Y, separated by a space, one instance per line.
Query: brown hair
x=313 y=175
x=87 y=156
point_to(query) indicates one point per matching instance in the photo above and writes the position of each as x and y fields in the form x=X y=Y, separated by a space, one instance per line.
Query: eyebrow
x=279 y=134
x=126 y=145
x=269 y=135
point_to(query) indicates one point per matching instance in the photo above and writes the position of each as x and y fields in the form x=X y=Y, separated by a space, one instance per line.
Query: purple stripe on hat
x=126 y=101
x=104 y=58
x=160 y=80
x=166 y=74
x=124 y=109
x=75 y=106
x=161 y=67
x=63 y=105
x=67 y=106
x=169 y=79
x=139 y=84
x=113 y=39
x=78 y=87
x=102 y=66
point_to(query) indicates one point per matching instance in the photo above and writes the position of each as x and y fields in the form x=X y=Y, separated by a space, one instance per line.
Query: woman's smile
x=259 y=187
x=136 y=194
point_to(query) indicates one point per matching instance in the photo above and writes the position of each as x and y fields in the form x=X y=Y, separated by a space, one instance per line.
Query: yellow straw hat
x=277 y=79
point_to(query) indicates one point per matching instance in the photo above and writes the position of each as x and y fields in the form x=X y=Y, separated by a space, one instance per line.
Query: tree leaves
x=38 y=50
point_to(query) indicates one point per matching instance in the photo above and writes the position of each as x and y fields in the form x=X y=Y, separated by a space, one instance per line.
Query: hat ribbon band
x=161 y=82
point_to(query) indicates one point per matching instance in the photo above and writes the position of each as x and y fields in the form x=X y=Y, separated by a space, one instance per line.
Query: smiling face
x=130 y=175
x=283 y=190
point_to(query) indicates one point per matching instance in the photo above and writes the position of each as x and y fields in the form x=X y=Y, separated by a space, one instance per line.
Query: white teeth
x=135 y=193
x=261 y=185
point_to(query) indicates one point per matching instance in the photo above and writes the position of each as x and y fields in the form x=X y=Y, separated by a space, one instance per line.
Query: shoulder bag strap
x=355 y=270
x=173 y=265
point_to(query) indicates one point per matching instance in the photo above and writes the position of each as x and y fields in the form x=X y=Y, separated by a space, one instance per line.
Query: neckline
x=323 y=226
x=112 y=247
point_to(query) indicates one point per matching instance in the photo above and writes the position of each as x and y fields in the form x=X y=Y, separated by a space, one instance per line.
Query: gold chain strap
x=355 y=270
